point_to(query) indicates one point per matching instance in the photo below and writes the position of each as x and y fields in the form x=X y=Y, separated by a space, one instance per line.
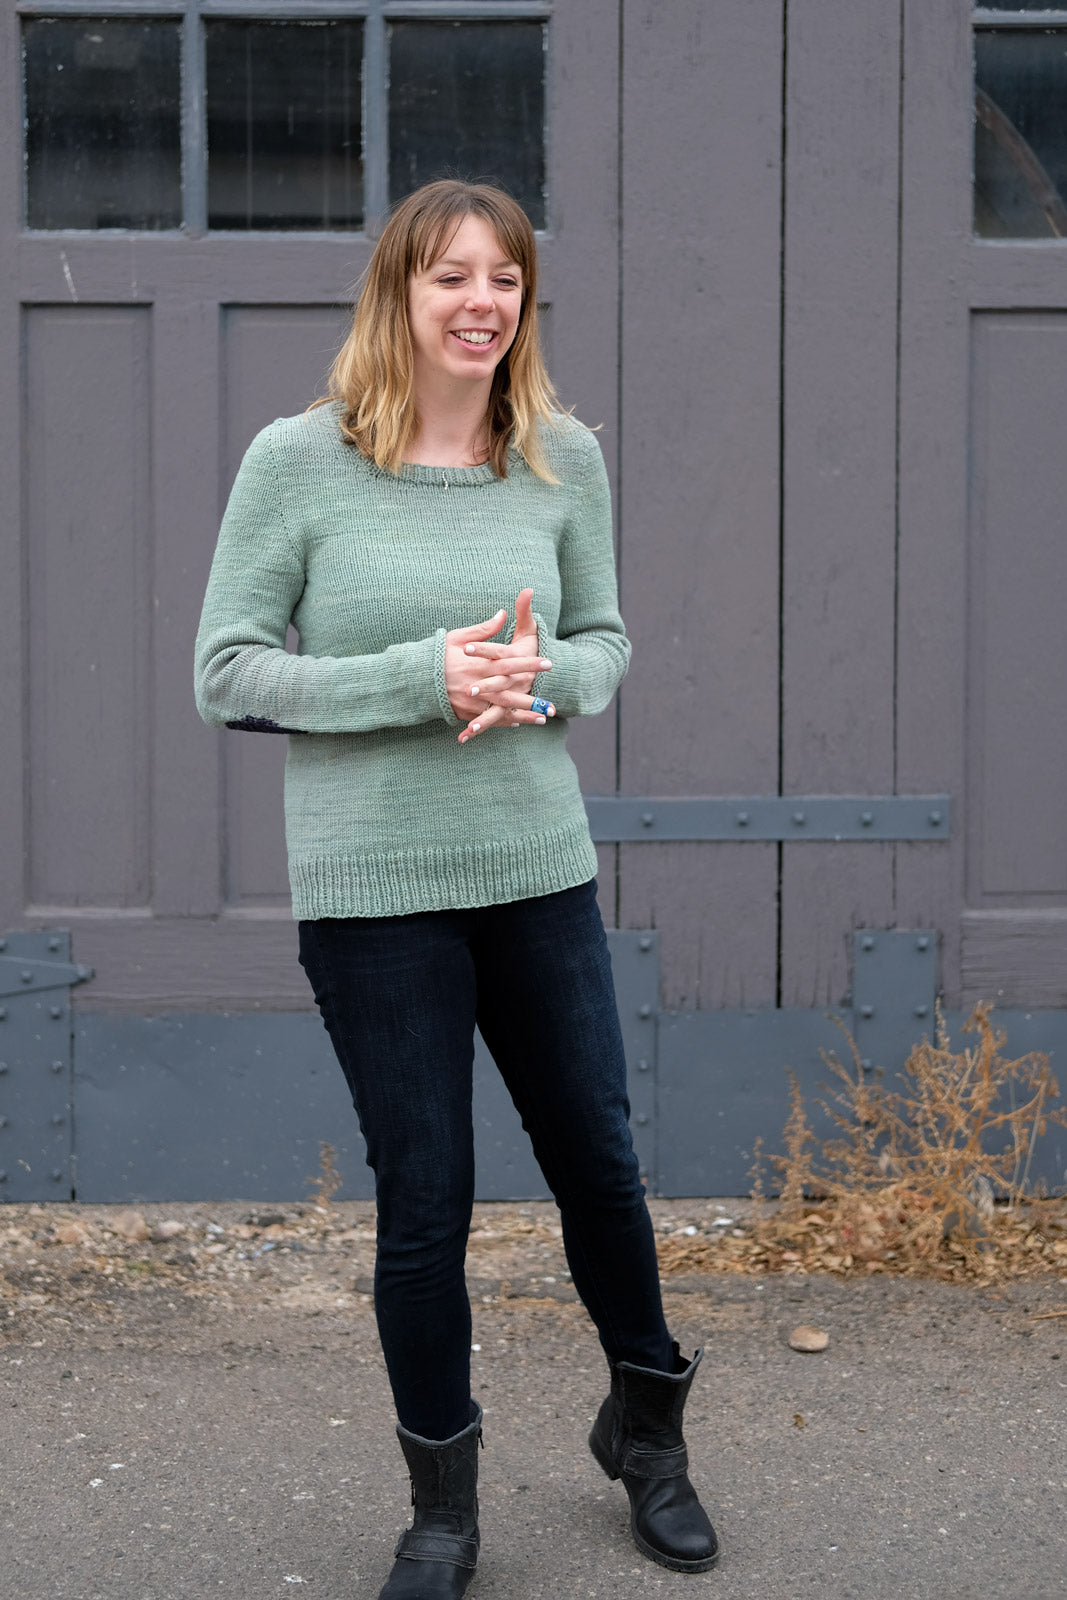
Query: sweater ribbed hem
x=442 y=879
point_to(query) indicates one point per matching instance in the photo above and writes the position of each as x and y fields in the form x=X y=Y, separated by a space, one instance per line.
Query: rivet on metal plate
x=867 y=1012
x=645 y=1010
x=641 y=1119
x=57 y=1066
x=922 y=943
x=55 y=1012
x=799 y=818
x=53 y=944
x=920 y=1011
x=26 y=977
x=742 y=819
x=645 y=943
x=642 y=1066
x=935 y=819
x=866 y=818
x=57 y=1173
x=867 y=943
x=647 y=819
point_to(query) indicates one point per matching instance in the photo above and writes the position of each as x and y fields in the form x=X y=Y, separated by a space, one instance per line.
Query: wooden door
x=139 y=361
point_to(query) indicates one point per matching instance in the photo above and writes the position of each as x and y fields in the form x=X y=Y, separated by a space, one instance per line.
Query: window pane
x=467 y=100
x=1020 y=134
x=283 y=125
x=103 y=123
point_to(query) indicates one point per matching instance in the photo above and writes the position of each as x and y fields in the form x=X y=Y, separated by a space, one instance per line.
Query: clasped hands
x=488 y=682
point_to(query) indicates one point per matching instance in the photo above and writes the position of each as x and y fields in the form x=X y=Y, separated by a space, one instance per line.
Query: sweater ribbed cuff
x=439 y=680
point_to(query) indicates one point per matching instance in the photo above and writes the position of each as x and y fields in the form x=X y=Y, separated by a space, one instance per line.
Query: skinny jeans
x=400 y=998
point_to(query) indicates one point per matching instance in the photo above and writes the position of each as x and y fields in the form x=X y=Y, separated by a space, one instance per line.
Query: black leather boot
x=637 y=1437
x=436 y=1556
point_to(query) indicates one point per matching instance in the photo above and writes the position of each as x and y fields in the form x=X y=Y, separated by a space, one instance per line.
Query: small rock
x=129 y=1225
x=71 y=1233
x=806 y=1337
x=168 y=1230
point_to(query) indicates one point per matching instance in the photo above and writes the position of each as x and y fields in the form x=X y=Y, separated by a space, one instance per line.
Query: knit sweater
x=386 y=812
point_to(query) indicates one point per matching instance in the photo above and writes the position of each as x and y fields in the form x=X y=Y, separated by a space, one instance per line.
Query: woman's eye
x=450 y=281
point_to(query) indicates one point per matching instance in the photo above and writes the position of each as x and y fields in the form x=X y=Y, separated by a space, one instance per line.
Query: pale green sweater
x=385 y=812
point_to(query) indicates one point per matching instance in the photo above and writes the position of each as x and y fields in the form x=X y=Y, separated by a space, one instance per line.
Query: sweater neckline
x=446 y=477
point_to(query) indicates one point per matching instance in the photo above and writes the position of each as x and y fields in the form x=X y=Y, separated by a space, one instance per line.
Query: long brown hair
x=372 y=375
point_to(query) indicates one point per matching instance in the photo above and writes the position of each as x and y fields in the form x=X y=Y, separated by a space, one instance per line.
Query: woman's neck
x=453 y=429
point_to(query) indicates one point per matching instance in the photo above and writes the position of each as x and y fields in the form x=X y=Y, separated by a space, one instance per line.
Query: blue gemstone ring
x=542 y=707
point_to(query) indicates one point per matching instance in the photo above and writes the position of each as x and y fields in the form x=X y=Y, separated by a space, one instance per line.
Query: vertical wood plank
x=12 y=674
x=580 y=260
x=701 y=141
x=839 y=477
x=87 y=447
x=931 y=654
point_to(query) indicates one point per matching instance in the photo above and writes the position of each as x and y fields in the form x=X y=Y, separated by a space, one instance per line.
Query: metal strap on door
x=36 y=1070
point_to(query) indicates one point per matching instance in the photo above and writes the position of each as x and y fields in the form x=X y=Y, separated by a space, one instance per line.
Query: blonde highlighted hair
x=372 y=375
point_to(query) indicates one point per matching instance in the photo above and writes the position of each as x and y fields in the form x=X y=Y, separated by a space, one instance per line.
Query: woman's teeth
x=474 y=338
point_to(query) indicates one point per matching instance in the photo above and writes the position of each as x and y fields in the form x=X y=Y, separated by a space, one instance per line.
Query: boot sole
x=674 y=1563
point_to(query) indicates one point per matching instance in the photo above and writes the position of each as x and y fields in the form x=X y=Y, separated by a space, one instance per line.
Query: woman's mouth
x=474 y=338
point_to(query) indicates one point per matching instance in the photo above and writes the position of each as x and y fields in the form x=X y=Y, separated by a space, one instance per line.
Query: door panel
x=87 y=555
x=699 y=504
x=151 y=361
x=839 y=471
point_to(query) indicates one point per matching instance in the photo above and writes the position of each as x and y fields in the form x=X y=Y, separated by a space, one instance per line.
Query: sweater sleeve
x=245 y=678
x=589 y=650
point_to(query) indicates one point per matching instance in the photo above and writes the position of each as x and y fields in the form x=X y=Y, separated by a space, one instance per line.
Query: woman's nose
x=480 y=298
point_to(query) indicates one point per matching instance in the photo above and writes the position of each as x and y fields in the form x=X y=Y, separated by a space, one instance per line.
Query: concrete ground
x=171 y=1441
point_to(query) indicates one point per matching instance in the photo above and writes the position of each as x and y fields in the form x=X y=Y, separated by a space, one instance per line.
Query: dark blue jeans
x=400 y=997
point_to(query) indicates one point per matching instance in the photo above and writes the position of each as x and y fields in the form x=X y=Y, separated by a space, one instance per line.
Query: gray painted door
x=137 y=368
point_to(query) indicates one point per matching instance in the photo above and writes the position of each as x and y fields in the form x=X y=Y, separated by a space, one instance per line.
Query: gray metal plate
x=212 y=1107
x=832 y=818
x=35 y=1067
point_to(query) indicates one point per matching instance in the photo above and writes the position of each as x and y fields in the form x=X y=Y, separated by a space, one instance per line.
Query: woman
x=440 y=858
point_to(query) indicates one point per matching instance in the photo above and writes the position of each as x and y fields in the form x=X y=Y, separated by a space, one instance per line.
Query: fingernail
x=476 y=727
x=468 y=649
x=540 y=720
x=475 y=688
x=544 y=665
x=552 y=711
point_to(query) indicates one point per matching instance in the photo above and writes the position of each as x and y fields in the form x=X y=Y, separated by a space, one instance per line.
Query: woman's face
x=464 y=309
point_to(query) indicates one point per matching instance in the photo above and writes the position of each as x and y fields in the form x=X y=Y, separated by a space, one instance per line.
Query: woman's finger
x=496 y=650
x=512 y=700
x=500 y=717
x=501 y=680
x=479 y=630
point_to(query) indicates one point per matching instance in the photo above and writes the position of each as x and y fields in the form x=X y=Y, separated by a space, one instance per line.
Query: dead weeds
x=929 y=1179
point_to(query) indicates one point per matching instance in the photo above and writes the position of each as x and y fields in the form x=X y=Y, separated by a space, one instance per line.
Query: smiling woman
x=373 y=375
x=442 y=872
x=463 y=312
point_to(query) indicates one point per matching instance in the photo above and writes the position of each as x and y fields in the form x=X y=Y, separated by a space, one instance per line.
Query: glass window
x=271 y=122
x=283 y=125
x=467 y=99
x=103 y=122
x=1020 y=136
